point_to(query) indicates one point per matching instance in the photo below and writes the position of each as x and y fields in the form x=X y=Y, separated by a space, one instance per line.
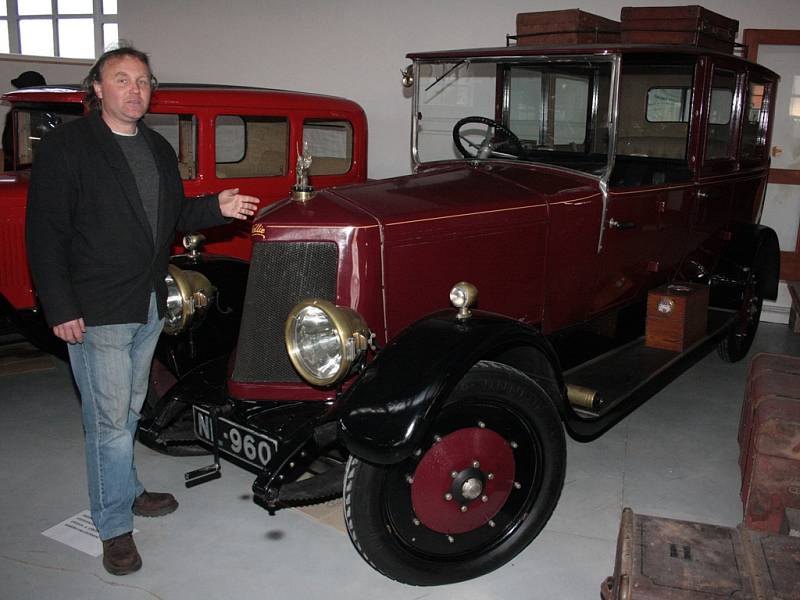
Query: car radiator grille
x=281 y=274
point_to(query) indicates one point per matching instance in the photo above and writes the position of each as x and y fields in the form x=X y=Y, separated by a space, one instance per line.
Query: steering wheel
x=488 y=147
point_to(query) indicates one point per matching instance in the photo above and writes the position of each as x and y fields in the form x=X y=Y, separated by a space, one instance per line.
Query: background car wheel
x=735 y=346
x=476 y=493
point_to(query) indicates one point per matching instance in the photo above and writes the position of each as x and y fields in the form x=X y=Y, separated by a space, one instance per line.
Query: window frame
x=99 y=19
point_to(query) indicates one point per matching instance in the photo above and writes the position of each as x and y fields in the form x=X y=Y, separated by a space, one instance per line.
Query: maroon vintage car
x=590 y=211
x=224 y=137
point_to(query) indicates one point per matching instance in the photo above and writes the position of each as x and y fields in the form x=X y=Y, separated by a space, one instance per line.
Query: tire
x=735 y=346
x=497 y=447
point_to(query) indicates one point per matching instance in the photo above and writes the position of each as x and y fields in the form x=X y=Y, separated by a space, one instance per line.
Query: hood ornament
x=302 y=190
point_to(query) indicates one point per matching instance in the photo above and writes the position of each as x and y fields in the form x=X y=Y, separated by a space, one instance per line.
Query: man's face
x=124 y=89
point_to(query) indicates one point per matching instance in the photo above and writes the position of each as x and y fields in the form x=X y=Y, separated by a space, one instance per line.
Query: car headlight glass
x=189 y=295
x=324 y=340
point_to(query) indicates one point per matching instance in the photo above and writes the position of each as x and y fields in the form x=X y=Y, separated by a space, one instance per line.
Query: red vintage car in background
x=224 y=137
x=590 y=211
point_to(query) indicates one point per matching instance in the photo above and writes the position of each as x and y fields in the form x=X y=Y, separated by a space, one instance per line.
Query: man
x=105 y=201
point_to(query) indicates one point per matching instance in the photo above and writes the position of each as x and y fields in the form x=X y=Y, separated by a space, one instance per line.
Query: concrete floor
x=674 y=457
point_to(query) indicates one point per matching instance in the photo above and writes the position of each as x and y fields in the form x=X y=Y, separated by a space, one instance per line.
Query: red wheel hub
x=463 y=480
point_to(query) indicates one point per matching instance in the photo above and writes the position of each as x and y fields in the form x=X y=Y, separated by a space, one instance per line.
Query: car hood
x=462 y=189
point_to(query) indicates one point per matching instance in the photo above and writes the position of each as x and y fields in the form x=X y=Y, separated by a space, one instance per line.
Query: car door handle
x=614 y=224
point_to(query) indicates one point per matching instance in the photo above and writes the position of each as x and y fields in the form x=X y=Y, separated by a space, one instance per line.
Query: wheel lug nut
x=418 y=452
x=416 y=522
x=448 y=496
x=491 y=523
x=481 y=424
x=490 y=476
x=514 y=445
x=453 y=474
x=517 y=485
x=476 y=464
x=450 y=539
x=484 y=498
x=437 y=438
x=463 y=508
x=409 y=479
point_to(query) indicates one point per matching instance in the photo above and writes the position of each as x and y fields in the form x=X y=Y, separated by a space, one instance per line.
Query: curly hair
x=96 y=72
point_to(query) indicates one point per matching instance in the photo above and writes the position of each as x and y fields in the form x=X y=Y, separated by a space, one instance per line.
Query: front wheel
x=474 y=495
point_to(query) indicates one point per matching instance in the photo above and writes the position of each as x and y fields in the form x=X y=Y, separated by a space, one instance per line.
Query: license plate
x=247 y=445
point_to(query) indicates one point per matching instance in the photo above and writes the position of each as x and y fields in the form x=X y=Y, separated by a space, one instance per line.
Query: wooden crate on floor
x=666 y=559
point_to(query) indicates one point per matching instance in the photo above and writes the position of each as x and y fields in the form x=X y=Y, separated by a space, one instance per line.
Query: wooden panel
x=785 y=176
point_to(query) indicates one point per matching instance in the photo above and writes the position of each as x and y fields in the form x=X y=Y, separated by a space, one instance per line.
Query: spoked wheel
x=476 y=493
x=735 y=346
x=495 y=137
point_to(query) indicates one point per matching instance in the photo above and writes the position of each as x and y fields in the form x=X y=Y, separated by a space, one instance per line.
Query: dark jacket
x=90 y=246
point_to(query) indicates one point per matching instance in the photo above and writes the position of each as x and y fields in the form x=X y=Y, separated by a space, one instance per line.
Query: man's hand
x=71 y=331
x=234 y=205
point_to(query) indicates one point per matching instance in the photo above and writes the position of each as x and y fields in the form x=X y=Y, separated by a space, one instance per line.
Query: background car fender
x=386 y=412
x=749 y=243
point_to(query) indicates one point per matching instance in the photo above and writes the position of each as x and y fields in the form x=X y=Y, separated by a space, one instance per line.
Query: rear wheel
x=735 y=346
x=476 y=493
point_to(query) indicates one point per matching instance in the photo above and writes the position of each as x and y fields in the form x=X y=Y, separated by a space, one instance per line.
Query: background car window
x=33 y=124
x=754 y=128
x=181 y=132
x=719 y=143
x=330 y=144
x=251 y=146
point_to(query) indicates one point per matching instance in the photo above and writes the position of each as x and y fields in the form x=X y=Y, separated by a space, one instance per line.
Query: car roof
x=195 y=94
x=532 y=51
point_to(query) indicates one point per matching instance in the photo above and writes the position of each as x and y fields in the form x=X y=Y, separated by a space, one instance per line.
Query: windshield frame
x=457 y=63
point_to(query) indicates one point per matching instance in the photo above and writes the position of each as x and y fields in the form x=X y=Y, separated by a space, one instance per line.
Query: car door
x=650 y=188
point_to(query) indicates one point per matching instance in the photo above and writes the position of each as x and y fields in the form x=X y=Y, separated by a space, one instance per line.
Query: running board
x=627 y=376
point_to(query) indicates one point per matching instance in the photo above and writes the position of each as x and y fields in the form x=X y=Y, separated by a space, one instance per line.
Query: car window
x=251 y=146
x=719 y=142
x=330 y=144
x=558 y=111
x=181 y=132
x=32 y=124
x=756 y=117
x=655 y=102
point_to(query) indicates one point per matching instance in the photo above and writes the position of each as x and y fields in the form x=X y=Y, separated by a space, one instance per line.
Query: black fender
x=216 y=335
x=32 y=324
x=751 y=242
x=386 y=412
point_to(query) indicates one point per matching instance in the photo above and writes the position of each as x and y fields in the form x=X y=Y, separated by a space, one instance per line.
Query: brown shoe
x=154 y=504
x=120 y=556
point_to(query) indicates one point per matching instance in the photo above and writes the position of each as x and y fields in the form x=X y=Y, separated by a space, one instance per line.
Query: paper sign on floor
x=78 y=532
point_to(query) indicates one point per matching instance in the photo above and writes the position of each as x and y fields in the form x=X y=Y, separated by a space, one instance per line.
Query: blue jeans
x=111 y=368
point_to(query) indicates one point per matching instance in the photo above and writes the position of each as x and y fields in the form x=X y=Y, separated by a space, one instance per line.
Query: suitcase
x=691 y=25
x=571 y=26
x=771 y=469
x=666 y=559
x=769 y=374
x=677 y=316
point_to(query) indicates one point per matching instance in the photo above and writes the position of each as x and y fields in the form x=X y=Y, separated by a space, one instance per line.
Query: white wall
x=352 y=48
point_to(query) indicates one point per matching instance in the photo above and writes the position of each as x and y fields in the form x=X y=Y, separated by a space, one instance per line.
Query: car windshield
x=33 y=123
x=555 y=112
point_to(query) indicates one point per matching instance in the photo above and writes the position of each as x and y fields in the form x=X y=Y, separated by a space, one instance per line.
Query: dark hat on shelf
x=28 y=79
